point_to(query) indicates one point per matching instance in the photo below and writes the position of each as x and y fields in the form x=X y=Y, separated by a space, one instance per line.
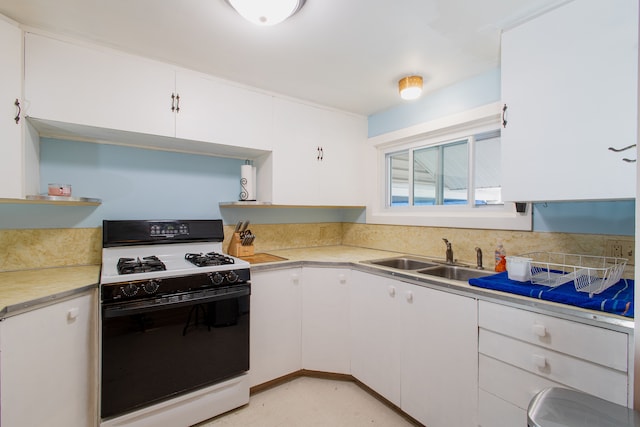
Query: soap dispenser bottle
x=501 y=257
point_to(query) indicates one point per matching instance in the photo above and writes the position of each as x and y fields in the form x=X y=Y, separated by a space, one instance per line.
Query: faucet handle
x=479 y=259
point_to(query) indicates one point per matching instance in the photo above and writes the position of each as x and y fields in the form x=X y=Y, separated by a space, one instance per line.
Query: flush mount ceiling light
x=266 y=12
x=410 y=87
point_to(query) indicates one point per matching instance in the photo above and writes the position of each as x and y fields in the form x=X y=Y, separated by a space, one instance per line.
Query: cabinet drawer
x=595 y=379
x=598 y=345
x=495 y=412
x=509 y=383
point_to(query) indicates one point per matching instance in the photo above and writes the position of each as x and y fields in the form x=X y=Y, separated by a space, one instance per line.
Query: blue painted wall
x=132 y=183
x=474 y=92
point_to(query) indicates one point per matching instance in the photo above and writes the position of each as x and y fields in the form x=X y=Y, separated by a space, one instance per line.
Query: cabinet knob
x=392 y=291
x=539 y=330
x=342 y=278
x=295 y=278
x=409 y=296
x=72 y=314
x=539 y=361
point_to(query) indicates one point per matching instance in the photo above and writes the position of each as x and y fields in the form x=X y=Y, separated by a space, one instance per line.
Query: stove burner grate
x=209 y=259
x=136 y=265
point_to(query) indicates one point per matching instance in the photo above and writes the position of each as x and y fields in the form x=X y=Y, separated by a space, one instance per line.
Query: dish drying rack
x=592 y=274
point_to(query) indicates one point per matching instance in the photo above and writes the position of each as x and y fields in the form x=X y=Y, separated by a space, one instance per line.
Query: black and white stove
x=143 y=259
x=174 y=323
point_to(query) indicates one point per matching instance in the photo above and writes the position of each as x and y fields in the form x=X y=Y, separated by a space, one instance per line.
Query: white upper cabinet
x=13 y=156
x=569 y=80
x=98 y=88
x=71 y=83
x=214 y=111
x=317 y=160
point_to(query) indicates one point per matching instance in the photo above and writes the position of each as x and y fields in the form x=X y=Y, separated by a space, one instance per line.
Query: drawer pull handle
x=392 y=291
x=539 y=330
x=539 y=361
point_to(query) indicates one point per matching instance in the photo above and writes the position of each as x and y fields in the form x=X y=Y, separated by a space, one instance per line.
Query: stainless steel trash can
x=561 y=407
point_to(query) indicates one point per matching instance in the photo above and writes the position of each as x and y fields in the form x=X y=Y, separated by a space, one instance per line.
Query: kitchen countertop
x=346 y=256
x=26 y=289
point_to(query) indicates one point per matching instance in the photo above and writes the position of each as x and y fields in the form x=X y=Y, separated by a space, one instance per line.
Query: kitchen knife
x=238 y=225
x=245 y=224
x=247 y=236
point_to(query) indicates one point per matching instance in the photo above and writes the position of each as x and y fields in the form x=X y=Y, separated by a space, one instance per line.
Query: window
x=443 y=173
x=461 y=172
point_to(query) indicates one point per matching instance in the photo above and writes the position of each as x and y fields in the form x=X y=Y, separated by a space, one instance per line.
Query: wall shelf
x=54 y=200
x=268 y=205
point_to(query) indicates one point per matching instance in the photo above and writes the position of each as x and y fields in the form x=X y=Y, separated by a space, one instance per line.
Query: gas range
x=174 y=323
x=146 y=259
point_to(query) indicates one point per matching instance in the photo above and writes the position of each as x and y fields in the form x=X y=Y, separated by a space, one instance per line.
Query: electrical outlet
x=621 y=249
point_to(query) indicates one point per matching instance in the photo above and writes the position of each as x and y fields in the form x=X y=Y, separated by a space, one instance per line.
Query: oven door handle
x=167 y=302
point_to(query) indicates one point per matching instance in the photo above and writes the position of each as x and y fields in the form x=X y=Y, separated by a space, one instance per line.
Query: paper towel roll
x=247 y=182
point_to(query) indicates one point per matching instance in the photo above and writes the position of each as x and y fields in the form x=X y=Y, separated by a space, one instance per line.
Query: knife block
x=237 y=249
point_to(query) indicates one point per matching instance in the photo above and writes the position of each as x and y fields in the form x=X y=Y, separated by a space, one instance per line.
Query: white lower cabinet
x=48 y=362
x=375 y=323
x=325 y=320
x=522 y=352
x=276 y=324
x=495 y=412
x=417 y=347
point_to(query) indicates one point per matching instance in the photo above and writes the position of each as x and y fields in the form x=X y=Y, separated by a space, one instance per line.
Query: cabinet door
x=316 y=155
x=375 y=341
x=97 y=87
x=325 y=320
x=214 y=111
x=495 y=412
x=11 y=154
x=276 y=325
x=439 y=356
x=48 y=366
x=569 y=79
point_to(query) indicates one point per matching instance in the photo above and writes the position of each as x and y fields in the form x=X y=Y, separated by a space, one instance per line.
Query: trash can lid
x=561 y=407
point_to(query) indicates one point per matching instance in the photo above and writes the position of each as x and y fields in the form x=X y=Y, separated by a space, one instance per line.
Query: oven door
x=153 y=352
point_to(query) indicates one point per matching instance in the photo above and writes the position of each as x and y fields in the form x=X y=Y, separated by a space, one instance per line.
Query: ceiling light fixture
x=266 y=12
x=410 y=87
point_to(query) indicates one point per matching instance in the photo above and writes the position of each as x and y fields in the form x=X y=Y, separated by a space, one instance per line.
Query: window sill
x=452 y=218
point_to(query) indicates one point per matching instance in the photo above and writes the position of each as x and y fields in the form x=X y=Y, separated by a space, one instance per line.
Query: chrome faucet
x=449 y=254
x=479 y=259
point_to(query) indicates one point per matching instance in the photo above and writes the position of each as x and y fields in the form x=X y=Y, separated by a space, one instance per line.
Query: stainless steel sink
x=454 y=272
x=403 y=263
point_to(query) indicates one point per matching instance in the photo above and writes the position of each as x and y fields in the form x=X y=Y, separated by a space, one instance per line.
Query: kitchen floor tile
x=311 y=402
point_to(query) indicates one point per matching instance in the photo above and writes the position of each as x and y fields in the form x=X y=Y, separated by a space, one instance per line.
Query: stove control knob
x=232 y=276
x=216 y=278
x=151 y=286
x=129 y=290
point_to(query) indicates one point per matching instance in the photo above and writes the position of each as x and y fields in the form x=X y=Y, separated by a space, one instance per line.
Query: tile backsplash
x=41 y=248
x=49 y=247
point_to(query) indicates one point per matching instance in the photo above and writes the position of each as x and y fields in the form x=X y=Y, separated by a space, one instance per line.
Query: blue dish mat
x=618 y=299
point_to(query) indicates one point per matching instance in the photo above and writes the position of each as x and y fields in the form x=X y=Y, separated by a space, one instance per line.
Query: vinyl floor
x=311 y=402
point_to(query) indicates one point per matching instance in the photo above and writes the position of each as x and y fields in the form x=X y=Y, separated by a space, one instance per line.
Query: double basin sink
x=430 y=268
